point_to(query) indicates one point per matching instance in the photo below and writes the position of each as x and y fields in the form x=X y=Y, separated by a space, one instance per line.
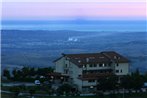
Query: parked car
x=37 y=82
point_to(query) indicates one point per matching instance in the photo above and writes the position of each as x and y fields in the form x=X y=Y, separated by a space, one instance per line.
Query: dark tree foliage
x=145 y=77
x=64 y=89
x=44 y=71
x=134 y=81
x=107 y=83
x=15 y=90
x=126 y=82
x=32 y=92
x=6 y=73
x=26 y=73
x=137 y=80
x=47 y=88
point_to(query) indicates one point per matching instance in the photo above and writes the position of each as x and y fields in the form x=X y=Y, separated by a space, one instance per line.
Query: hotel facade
x=83 y=70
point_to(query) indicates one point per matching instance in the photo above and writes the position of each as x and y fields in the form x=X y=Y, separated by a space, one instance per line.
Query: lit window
x=84 y=66
x=103 y=65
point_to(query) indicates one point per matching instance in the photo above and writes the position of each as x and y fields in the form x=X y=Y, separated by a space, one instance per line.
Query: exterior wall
x=73 y=71
x=76 y=71
x=123 y=69
x=86 y=83
x=59 y=65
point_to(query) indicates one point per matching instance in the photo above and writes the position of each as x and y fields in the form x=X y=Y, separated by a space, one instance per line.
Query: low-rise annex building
x=84 y=69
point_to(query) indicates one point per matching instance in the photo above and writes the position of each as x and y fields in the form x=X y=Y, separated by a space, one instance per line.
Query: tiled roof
x=113 y=56
x=89 y=58
x=94 y=58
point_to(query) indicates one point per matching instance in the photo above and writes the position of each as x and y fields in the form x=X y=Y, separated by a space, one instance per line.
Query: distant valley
x=38 y=48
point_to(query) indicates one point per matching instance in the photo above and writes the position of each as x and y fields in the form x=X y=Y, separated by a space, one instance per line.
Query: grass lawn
x=143 y=95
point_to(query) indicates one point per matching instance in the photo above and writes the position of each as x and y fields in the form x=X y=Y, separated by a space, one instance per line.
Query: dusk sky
x=74 y=10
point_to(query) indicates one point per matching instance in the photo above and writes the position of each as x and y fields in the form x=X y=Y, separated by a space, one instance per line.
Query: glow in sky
x=73 y=10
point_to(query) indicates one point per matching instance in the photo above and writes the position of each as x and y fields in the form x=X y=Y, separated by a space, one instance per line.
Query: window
x=66 y=71
x=117 y=71
x=79 y=75
x=94 y=65
x=66 y=65
x=66 y=58
x=117 y=64
x=109 y=64
x=90 y=65
x=84 y=66
x=100 y=65
x=91 y=80
x=103 y=65
x=121 y=70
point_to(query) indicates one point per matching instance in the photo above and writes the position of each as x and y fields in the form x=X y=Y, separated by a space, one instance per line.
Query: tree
x=32 y=92
x=64 y=89
x=137 y=80
x=145 y=77
x=44 y=71
x=126 y=82
x=107 y=83
x=134 y=81
x=32 y=71
x=15 y=90
x=25 y=71
x=6 y=73
x=17 y=75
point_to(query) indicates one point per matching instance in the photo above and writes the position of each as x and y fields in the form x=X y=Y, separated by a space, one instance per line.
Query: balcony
x=97 y=71
x=93 y=76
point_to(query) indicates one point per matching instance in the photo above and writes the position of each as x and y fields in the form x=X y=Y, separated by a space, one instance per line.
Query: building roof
x=94 y=58
x=88 y=58
x=113 y=56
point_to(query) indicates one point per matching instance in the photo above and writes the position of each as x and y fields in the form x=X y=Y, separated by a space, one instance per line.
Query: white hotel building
x=83 y=70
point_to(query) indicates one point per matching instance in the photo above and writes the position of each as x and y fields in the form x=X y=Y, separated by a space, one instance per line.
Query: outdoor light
x=52 y=77
x=61 y=77
x=83 y=66
x=91 y=86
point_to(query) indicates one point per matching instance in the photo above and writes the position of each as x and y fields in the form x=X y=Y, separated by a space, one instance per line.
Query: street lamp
x=91 y=87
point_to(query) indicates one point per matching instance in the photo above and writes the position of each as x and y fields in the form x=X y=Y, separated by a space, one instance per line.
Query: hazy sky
x=73 y=10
